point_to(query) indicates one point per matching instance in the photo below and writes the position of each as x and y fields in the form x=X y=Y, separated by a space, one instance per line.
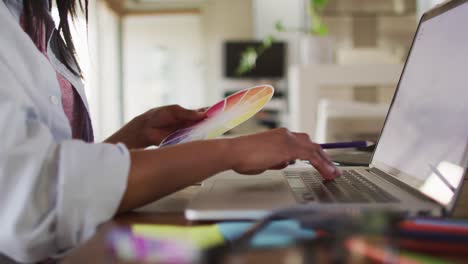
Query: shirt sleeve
x=54 y=192
x=53 y=195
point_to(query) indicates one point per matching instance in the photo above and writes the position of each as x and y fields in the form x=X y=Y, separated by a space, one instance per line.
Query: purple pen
x=353 y=144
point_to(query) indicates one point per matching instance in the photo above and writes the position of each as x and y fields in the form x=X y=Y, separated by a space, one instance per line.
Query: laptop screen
x=425 y=137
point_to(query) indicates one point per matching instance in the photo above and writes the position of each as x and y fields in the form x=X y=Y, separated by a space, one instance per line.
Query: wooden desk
x=164 y=212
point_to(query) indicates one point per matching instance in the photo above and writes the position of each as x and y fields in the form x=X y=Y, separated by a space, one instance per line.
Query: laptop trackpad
x=247 y=194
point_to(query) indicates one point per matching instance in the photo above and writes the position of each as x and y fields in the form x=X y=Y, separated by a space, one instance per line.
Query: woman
x=56 y=185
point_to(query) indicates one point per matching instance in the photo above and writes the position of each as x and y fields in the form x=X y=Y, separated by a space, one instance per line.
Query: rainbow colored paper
x=225 y=115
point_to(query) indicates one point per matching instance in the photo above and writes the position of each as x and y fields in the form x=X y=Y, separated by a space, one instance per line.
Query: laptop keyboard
x=351 y=187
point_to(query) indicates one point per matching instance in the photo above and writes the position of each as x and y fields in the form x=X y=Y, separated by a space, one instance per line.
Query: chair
x=344 y=120
x=311 y=114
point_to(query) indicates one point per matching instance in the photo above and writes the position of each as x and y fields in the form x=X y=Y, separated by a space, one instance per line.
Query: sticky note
x=276 y=234
x=203 y=236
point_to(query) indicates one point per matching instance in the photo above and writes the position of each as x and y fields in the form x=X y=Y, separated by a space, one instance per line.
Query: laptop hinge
x=401 y=185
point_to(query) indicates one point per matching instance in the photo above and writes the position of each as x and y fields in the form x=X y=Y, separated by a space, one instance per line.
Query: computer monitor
x=270 y=64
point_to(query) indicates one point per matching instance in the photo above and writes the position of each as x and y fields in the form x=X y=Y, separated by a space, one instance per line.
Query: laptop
x=420 y=160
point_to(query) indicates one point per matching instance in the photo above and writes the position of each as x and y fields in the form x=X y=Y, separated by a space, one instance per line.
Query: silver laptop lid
x=425 y=137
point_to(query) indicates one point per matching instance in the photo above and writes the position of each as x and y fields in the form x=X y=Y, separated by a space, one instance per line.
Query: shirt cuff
x=91 y=184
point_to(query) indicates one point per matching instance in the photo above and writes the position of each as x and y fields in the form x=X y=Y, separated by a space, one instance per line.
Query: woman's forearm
x=128 y=136
x=159 y=172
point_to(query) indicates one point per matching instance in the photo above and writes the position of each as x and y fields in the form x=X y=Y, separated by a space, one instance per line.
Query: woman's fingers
x=325 y=155
x=276 y=148
x=327 y=170
x=203 y=109
x=317 y=157
x=305 y=137
x=251 y=172
x=302 y=136
x=280 y=166
x=183 y=114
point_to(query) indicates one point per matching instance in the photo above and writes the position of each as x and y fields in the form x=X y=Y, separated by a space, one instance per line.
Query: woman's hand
x=274 y=149
x=155 y=173
x=153 y=126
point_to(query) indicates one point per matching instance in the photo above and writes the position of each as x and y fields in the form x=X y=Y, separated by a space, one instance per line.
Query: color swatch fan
x=225 y=115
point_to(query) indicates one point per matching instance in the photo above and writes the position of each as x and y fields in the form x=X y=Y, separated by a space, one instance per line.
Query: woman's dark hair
x=35 y=13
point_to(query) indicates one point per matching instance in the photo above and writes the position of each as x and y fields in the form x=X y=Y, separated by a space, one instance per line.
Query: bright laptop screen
x=425 y=137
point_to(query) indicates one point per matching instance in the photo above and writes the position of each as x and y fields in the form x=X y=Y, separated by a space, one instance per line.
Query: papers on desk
x=129 y=247
x=182 y=244
x=201 y=236
x=148 y=243
x=276 y=234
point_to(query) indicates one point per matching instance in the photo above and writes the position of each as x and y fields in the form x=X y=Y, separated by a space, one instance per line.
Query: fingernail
x=338 y=171
x=334 y=172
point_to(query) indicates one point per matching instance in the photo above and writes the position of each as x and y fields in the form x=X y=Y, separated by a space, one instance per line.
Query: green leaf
x=319 y=4
x=320 y=30
x=279 y=26
x=247 y=61
x=317 y=26
x=267 y=42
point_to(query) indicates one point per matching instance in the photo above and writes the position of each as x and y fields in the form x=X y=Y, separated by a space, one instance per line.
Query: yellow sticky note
x=203 y=236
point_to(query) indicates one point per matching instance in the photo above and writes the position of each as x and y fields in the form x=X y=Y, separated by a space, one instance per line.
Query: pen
x=353 y=144
x=342 y=145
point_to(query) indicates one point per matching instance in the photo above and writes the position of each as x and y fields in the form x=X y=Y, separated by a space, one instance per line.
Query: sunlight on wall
x=97 y=51
x=162 y=62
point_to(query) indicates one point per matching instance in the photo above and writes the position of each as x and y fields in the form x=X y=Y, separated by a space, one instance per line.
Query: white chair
x=355 y=112
x=307 y=111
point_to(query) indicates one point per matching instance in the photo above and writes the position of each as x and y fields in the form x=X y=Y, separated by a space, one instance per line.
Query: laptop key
x=368 y=188
x=339 y=195
x=308 y=196
x=355 y=195
x=351 y=187
x=316 y=187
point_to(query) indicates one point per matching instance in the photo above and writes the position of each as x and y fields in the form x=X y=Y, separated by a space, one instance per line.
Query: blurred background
x=335 y=64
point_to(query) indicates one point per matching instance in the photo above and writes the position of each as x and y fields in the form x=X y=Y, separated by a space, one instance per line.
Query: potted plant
x=316 y=47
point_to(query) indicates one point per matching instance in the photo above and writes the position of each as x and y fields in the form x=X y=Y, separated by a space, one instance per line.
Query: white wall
x=162 y=62
x=292 y=15
x=219 y=20
x=222 y=20
x=424 y=5
x=267 y=12
x=102 y=80
x=97 y=49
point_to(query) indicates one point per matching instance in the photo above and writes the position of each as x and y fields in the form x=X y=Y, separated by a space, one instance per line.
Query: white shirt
x=54 y=191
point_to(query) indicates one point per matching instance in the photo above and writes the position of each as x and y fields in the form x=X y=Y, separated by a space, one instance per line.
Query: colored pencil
x=352 y=144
